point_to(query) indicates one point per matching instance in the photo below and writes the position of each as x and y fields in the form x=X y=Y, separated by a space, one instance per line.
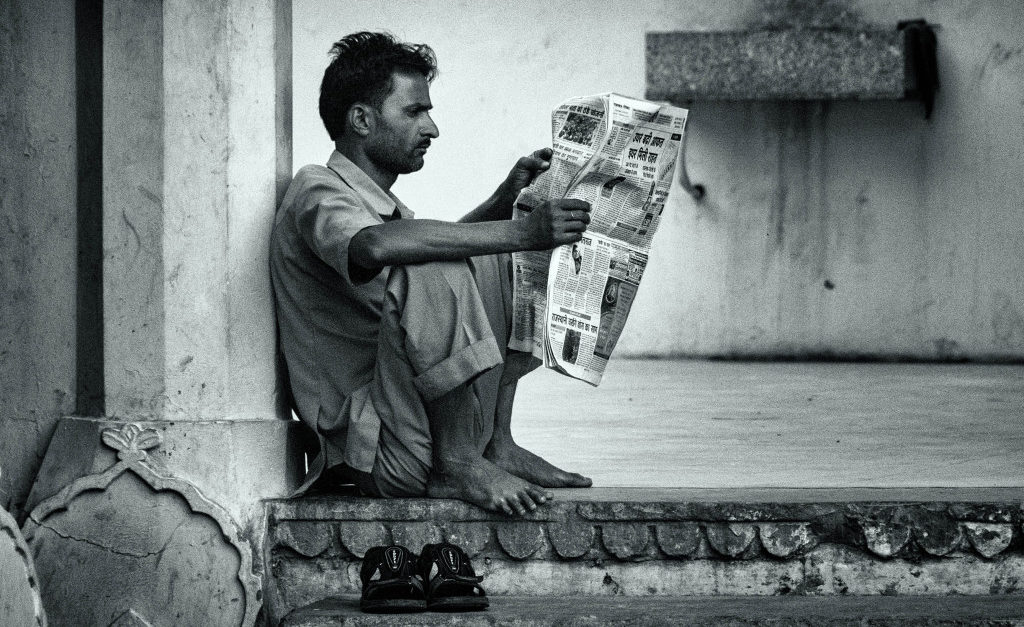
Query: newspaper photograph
x=571 y=303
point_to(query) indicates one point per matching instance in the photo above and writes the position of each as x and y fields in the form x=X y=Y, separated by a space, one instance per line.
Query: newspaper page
x=619 y=154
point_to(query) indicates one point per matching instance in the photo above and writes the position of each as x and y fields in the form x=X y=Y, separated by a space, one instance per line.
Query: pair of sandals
x=440 y=578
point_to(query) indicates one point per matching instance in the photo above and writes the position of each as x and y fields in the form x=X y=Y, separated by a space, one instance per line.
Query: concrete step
x=748 y=611
x=607 y=543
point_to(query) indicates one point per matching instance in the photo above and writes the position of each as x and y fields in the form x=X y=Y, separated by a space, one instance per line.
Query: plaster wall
x=829 y=229
x=37 y=235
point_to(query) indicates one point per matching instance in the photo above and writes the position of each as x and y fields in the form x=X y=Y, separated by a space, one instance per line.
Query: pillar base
x=158 y=520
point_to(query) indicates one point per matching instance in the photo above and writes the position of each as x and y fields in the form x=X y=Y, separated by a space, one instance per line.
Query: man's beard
x=394 y=158
x=395 y=163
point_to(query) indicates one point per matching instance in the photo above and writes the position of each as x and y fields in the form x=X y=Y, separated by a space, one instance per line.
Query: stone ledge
x=656 y=543
x=777 y=64
x=623 y=525
x=776 y=611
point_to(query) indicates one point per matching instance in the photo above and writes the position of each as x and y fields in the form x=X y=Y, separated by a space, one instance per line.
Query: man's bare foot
x=522 y=463
x=480 y=482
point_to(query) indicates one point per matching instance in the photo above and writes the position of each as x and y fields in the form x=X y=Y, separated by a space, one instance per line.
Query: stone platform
x=665 y=611
x=672 y=543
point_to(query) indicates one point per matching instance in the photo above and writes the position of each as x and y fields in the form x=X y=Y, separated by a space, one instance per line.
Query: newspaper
x=618 y=154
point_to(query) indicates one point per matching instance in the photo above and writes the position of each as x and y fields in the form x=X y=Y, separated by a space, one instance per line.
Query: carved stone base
x=625 y=542
x=234 y=463
x=20 y=603
x=157 y=523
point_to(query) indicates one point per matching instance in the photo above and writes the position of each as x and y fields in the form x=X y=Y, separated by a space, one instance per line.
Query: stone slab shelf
x=666 y=543
x=866 y=63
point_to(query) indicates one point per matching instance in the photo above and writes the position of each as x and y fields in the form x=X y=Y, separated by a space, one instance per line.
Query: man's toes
x=516 y=504
x=503 y=506
x=527 y=499
x=579 y=481
x=540 y=496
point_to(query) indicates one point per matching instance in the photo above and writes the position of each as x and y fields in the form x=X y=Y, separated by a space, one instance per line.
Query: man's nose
x=430 y=129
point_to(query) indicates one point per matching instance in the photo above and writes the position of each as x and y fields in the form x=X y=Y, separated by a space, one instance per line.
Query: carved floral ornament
x=131 y=441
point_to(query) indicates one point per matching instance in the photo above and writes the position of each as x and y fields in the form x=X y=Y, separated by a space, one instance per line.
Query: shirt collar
x=383 y=202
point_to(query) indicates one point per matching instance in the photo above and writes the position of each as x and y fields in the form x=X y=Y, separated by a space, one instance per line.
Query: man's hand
x=523 y=173
x=499 y=205
x=556 y=222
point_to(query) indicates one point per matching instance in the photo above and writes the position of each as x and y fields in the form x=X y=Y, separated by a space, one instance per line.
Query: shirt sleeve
x=328 y=220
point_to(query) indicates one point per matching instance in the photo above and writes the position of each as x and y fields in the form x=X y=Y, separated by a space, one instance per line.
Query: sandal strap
x=394 y=563
x=453 y=567
x=373 y=589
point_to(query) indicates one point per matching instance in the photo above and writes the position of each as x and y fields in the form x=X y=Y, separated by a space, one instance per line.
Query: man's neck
x=383 y=178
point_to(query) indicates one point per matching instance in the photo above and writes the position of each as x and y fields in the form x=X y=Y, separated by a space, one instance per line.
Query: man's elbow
x=368 y=249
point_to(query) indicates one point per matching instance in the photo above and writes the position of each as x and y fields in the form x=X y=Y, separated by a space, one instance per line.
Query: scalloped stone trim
x=595 y=531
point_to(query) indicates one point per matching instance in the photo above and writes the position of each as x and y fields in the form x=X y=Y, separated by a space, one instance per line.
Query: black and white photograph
x=311 y=313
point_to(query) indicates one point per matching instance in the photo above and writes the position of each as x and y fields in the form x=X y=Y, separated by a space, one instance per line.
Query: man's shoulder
x=317 y=175
x=313 y=184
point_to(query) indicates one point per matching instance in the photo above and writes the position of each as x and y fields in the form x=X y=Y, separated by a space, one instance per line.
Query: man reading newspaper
x=395 y=330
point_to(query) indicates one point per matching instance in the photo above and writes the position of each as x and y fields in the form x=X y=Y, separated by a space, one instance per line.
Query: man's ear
x=360 y=119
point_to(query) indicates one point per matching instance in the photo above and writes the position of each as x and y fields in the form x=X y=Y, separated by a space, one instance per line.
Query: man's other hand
x=524 y=172
x=556 y=222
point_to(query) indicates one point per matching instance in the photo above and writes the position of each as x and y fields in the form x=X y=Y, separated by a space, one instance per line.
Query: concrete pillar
x=194 y=142
x=37 y=235
x=167 y=486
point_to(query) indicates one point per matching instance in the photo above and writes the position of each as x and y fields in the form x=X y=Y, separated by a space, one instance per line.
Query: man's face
x=403 y=128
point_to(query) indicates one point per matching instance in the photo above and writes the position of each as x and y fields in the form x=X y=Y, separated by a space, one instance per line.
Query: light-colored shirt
x=328 y=315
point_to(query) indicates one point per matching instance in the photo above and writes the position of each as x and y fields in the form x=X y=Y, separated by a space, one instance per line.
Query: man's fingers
x=580 y=216
x=543 y=155
x=574 y=204
x=534 y=163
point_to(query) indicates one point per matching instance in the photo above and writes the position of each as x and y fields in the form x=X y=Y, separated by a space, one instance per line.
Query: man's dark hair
x=361 y=72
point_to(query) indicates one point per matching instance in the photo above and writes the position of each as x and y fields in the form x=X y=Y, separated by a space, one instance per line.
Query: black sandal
x=452 y=584
x=390 y=582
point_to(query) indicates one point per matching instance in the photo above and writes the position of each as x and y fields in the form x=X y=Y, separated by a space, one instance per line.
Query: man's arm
x=484 y=231
x=399 y=242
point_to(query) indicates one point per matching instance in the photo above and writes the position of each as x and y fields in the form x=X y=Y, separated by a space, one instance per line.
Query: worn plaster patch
x=471 y=537
x=989 y=539
x=885 y=540
x=571 y=540
x=359 y=537
x=520 y=540
x=786 y=539
x=678 y=540
x=731 y=539
x=625 y=541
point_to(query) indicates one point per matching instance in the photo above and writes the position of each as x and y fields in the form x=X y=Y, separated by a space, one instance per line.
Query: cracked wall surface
x=168 y=564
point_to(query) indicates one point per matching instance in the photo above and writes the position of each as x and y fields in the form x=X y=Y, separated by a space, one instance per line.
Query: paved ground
x=738 y=424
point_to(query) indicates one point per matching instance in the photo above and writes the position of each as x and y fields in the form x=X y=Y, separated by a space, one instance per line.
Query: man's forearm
x=420 y=241
x=497 y=207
